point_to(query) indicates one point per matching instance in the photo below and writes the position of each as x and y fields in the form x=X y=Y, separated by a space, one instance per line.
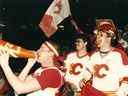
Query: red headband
x=105 y=25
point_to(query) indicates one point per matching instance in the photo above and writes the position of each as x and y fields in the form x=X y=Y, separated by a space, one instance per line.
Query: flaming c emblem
x=97 y=69
x=74 y=67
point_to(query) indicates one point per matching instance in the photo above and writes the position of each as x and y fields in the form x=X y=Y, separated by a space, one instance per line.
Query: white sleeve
x=123 y=71
x=46 y=92
x=67 y=61
x=87 y=74
x=90 y=66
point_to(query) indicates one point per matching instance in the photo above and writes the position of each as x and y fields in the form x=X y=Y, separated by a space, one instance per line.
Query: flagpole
x=73 y=22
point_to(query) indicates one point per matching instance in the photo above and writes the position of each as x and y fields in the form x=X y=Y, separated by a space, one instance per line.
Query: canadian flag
x=57 y=12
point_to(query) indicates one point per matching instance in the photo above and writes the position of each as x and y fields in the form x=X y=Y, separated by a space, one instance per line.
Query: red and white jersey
x=76 y=68
x=108 y=69
x=50 y=80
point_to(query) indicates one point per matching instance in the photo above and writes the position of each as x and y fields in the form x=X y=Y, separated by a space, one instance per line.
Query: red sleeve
x=119 y=46
x=50 y=78
x=89 y=90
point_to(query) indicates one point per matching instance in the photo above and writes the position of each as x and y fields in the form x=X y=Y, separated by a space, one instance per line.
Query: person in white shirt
x=109 y=65
x=76 y=63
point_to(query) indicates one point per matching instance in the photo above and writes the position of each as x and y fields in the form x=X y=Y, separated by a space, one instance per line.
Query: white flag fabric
x=57 y=12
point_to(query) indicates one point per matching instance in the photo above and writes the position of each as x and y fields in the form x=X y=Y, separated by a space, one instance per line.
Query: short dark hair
x=82 y=36
x=87 y=38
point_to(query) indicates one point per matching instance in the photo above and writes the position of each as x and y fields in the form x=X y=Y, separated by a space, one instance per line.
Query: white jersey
x=76 y=68
x=108 y=69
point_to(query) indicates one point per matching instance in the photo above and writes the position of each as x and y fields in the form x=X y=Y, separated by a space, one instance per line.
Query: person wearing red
x=108 y=64
x=45 y=81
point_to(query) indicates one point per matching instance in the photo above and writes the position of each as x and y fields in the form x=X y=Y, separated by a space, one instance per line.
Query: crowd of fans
x=97 y=67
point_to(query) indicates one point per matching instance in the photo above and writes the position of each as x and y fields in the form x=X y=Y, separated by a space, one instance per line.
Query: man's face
x=45 y=55
x=102 y=39
x=80 y=44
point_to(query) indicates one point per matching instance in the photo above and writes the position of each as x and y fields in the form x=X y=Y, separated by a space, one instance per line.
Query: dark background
x=21 y=18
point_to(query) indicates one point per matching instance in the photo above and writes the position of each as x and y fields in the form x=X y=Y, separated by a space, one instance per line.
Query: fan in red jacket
x=44 y=82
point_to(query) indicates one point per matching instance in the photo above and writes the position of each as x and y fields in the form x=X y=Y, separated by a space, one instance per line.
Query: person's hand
x=31 y=61
x=82 y=83
x=123 y=90
x=63 y=69
x=4 y=57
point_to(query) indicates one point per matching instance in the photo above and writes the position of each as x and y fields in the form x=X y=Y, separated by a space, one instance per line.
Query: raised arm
x=20 y=86
x=24 y=73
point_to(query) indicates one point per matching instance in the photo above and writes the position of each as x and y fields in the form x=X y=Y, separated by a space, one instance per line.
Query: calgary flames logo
x=74 y=67
x=98 y=68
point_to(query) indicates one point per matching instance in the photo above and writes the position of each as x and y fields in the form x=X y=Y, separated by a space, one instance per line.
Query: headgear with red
x=106 y=25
